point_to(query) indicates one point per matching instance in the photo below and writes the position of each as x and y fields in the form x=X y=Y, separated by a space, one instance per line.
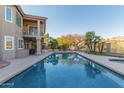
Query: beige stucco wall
x=18 y=30
x=10 y=29
x=0 y=32
x=7 y=30
x=22 y=53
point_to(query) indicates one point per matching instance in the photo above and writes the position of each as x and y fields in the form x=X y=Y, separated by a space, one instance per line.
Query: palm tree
x=101 y=44
x=89 y=39
x=95 y=41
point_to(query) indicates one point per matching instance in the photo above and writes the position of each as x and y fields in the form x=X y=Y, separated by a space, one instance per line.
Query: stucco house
x=20 y=32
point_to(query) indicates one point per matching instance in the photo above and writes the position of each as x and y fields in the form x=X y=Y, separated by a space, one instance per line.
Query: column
x=38 y=42
x=38 y=27
x=44 y=26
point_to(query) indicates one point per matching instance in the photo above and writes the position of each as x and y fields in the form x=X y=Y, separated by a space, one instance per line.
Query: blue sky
x=106 y=21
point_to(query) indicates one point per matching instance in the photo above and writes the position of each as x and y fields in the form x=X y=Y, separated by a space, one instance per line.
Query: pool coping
x=9 y=72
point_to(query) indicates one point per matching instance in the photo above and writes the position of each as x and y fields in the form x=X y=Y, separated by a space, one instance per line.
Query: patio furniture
x=32 y=51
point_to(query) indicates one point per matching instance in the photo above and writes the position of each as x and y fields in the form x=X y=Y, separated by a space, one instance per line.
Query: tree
x=75 y=41
x=46 y=40
x=78 y=41
x=96 y=39
x=101 y=44
x=93 y=42
x=53 y=43
x=65 y=46
x=61 y=40
x=89 y=39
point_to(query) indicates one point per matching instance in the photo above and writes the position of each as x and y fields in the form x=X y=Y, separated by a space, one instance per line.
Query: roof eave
x=20 y=9
x=35 y=17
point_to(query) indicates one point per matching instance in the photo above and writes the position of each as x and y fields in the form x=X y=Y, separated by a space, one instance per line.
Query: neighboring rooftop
x=118 y=38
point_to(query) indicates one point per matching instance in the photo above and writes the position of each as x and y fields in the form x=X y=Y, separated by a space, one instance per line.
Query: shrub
x=65 y=46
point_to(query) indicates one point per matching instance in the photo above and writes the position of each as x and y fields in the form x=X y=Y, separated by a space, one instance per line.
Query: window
x=9 y=42
x=20 y=43
x=32 y=30
x=18 y=19
x=8 y=14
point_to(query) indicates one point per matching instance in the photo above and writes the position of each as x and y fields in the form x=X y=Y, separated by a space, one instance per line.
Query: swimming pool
x=66 y=70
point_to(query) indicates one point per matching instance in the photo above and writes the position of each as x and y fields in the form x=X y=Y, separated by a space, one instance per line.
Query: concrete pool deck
x=104 y=61
x=19 y=65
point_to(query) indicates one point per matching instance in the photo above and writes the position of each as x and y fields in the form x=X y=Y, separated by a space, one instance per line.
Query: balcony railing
x=32 y=33
x=41 y=33
x=29 y=33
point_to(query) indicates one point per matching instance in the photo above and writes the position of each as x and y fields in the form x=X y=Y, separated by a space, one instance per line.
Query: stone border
x=8 y=74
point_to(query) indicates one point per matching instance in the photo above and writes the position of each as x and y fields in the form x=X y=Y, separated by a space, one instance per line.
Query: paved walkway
x=104 y=60
x=19 y=65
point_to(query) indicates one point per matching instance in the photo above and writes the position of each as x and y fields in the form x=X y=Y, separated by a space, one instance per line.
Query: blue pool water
x=68 y=70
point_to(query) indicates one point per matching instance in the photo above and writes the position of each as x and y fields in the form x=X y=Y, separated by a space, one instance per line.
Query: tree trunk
x=94 y=47
x=88 y=47
x=102 y=47
x=91 y=48
x=99 y=48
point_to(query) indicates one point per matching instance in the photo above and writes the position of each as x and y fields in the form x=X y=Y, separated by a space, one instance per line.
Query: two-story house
x=19 y=32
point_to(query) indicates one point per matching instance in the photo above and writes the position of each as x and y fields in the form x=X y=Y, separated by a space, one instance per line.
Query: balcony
x=31 y=32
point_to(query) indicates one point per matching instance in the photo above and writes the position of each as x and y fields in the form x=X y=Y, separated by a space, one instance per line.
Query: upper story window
x=9 y=14
x=18 y=19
